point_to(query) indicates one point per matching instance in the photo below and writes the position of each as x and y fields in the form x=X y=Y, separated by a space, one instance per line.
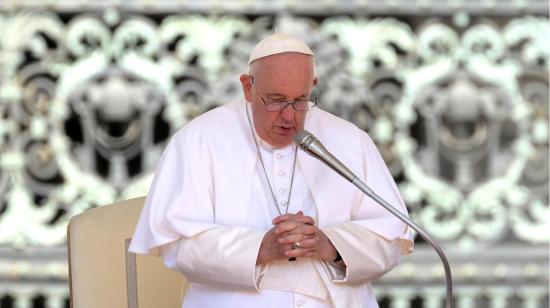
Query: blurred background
x=454 y=93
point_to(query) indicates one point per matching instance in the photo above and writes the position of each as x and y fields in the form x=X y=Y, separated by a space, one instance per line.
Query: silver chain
x=263 y=166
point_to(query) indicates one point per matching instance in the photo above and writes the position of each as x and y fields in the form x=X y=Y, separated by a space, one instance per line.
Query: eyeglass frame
x=293 y=104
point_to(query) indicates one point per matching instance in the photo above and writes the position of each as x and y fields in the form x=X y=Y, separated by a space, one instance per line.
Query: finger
x=281 y=218
x=311 y=243
x=305 y=219
x=286 y=247
x=293 y=238
x=291 y=224
x=300 y=229
x=286 y=226
x=287 y=216
x=298 y=252
x=300 y=217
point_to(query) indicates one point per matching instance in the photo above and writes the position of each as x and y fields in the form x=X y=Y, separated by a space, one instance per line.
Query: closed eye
x=284 y=99
x=276 y=98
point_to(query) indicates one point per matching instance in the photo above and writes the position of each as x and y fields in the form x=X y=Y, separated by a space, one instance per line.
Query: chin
x=282 y=143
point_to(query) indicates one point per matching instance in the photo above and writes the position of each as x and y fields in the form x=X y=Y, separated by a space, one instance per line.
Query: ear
x=246 y=82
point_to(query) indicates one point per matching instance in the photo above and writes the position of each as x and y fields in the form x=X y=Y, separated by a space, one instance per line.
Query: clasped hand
x=295 y=228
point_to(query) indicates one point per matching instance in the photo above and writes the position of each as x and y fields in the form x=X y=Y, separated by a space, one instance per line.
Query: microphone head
x=304 y=139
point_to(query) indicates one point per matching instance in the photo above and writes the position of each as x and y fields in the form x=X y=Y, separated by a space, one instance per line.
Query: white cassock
x=209 y=207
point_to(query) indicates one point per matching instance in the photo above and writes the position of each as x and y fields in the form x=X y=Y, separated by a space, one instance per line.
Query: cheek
x=272 y=118
x=262 y=119
x=266 y=117
x=300 y=120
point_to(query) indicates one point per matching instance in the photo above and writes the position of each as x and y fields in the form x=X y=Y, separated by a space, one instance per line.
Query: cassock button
x=299 y=303
x=279 y=155
x=284 y=203
x=282 y=190
x=281 y=173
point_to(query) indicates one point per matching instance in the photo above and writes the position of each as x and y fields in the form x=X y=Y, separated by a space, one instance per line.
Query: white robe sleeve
x=366 y=254
x=179 y=211
x=218 y=257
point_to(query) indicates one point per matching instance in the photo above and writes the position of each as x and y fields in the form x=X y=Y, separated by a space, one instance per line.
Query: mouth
x=285 y=130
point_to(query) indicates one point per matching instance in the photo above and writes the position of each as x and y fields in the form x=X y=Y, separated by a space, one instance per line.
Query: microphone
x=309 y=144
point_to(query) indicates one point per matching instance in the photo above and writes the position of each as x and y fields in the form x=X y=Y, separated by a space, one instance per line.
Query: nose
x=288 y=113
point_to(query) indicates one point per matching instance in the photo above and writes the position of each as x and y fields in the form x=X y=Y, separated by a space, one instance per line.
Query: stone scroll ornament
x=459 y=110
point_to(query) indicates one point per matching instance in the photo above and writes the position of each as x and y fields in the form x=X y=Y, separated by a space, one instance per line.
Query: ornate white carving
x=457 y=106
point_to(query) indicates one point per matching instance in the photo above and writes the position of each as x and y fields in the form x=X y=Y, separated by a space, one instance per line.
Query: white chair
x=102 y=273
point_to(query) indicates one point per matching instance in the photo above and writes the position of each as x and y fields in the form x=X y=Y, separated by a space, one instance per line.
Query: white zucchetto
x=279 y=43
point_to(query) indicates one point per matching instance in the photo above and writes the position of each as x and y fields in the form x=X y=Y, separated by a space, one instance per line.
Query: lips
x=285 y=130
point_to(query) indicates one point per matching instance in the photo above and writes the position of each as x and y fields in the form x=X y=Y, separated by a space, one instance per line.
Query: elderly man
x=253 y=222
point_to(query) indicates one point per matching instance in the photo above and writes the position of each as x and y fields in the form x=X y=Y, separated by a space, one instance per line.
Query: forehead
x=276 y=62
x=288 y=67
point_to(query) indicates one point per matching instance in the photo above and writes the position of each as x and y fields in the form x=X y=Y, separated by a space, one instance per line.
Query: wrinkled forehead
x=287 y=65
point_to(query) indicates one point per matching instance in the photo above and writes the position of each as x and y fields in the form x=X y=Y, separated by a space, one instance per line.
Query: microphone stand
x=307 y=142
x=449 y=282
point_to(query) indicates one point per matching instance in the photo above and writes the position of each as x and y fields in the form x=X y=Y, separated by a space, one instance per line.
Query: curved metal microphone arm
x=307 y=142
x=449 y=281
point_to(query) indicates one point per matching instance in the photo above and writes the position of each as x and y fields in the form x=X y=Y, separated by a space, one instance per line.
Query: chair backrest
x=102 y=273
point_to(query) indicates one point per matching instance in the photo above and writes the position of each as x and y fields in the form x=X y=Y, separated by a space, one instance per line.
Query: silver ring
x=296 y=245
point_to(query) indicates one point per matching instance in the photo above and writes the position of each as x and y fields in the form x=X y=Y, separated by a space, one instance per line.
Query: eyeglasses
x=276 y=104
